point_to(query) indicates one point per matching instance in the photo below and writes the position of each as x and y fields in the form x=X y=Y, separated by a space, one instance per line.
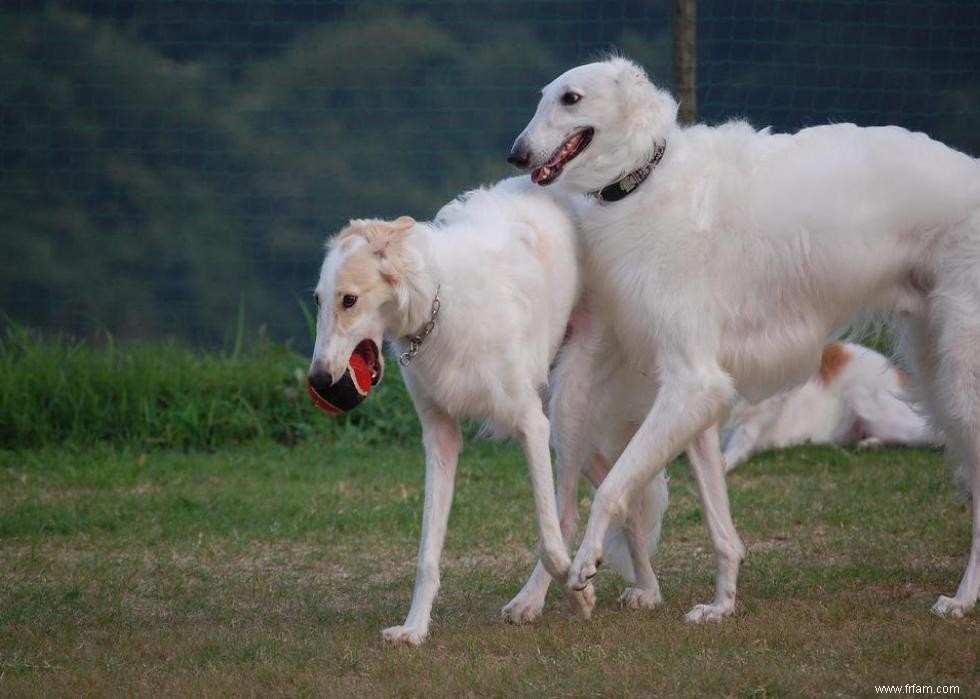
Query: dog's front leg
x=690 y=401
x=709 y=473
x=645 y=592
x=442 y=441
x=533 y=433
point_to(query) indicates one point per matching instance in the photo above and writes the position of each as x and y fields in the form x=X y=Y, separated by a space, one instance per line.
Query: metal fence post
x=686 y=58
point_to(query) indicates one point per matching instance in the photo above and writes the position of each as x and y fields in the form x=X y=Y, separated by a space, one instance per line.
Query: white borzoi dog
x=486 y=291
x=724 y=257
x=857 y=397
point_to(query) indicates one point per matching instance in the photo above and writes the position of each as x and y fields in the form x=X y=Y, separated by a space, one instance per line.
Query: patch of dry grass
x=270 y=571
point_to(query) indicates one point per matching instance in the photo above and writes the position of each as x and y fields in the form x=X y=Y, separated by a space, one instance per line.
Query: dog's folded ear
x=385 y=239
x=628 y=71
x=650 y=110
x=403 y=223
x=356 y=226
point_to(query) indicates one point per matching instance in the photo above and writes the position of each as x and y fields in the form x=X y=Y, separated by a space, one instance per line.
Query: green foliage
x=154 y=173
x=115 y=221
x=160 y=162
x=167 y=395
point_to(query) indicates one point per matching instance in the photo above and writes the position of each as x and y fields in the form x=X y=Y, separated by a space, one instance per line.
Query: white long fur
x=865 y=402
x=504 y=261
x=732 y=264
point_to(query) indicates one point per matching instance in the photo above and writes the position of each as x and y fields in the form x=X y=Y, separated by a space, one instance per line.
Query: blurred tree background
x=166 y=165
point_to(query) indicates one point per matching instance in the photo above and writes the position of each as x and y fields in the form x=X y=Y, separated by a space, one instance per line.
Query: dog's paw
x=709 y=612
x=404 y=635
x=951 y=607
x=870 y=443
x=580 y=575
x=521 y=611
x=638 y=598
x=581 y=601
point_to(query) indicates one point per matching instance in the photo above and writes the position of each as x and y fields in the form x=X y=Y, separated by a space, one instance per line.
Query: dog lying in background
x=476 y=304
x=856 y=397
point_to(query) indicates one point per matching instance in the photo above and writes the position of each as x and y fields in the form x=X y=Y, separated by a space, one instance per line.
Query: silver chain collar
x=415 y=342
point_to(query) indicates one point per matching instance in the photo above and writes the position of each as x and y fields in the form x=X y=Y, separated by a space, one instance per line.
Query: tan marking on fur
x=598 y=469
x=383 y=240
x=358 y=275
x=347 y=237
x=904 y=379
x=540 y=246
x=833 y=360
x=371 y=270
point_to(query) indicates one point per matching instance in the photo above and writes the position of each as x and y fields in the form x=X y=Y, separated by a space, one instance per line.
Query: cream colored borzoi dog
x=495 y=278
x=724 y=257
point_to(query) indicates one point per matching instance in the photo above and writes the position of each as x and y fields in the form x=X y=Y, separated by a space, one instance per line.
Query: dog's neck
x=628 y=183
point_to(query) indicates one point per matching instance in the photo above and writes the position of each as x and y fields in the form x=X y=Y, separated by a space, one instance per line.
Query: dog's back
x=506 y=259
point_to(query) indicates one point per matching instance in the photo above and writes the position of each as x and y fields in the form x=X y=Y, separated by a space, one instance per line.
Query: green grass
x=56 y=391
x=268 y=570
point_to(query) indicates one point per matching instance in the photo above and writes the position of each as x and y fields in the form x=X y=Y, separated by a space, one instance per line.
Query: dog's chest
x=631 y=269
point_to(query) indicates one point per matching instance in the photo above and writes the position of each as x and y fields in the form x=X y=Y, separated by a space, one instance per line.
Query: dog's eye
x=316 y=300
x=570 y=98
x=348 y=300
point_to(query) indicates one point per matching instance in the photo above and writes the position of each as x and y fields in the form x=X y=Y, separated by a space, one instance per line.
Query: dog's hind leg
x=709 y=472
x=642 y=532
x=628 y=549
x=442 y=441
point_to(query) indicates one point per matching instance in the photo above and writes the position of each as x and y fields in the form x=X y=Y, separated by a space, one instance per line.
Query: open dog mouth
x=572 y=147
x=371 y=356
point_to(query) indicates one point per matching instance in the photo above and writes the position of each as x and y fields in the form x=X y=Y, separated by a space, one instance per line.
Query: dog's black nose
x=320 y=380
x=520 y=155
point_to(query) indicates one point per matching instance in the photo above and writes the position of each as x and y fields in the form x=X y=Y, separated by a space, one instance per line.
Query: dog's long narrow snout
x=520 y=154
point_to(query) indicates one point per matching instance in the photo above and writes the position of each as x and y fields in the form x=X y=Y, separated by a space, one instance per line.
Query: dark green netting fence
x=164 y=165
x=915 y=63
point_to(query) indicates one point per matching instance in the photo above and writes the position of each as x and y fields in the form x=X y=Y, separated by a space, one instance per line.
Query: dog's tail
x=649 y=515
